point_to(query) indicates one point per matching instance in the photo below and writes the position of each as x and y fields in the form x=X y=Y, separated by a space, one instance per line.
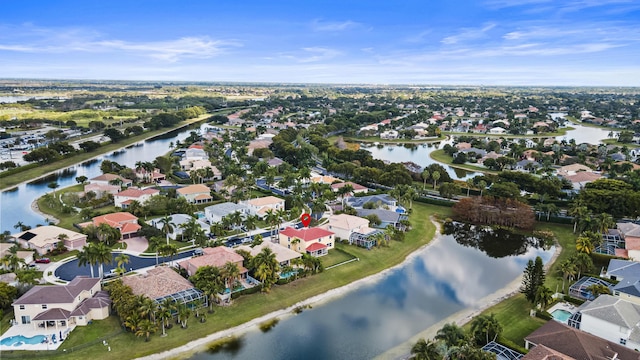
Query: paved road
x=71 y=269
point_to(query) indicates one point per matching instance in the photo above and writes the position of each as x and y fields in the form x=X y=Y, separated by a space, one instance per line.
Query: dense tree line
x=614 y=197
x=494 y=211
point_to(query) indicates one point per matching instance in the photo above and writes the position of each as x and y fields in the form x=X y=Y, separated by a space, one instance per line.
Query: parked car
x=43 y=261
x=33 y=266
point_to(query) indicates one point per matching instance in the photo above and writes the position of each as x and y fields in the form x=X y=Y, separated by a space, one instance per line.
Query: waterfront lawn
x=567 y=240
x=337 y=255
x=245 y=308
x=6 y=317
x=441 y=156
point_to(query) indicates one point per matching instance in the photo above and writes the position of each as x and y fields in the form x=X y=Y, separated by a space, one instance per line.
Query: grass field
x=441 y=156
x=127 y=346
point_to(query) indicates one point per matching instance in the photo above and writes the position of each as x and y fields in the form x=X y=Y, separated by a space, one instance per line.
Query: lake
x=435 y=283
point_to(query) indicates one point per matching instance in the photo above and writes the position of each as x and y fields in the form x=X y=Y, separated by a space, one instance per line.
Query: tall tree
x=167 y=226
x=484 y=329
x=532 y=278
x=266 y=268
x=426 y=350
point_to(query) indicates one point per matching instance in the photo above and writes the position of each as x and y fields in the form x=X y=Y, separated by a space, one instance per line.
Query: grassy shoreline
x=441 y=157
x=28 y=175
x=246 y=308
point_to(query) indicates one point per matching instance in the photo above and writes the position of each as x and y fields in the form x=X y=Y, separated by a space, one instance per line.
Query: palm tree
x=451 y=334
x=13 y=261
x=604 y=222
x=230 y=273
x=580 y=215
x=208 y=279
x=102 y=255
x=568 y=270
x=426 y=350
x=85 y=257
x=167 y=226
x=267 y=268
x=122 y=260
x=169 y=250
x=544 y=296
x=584 y=244
x=482 y=185
x=425 y=175
x=272 y=219
x=583 y=262
x=132 y=321
x=146 y=328
x=435 y=176
x=183 y=315
x=164 y=313
x=108 y=234
x=485 y=328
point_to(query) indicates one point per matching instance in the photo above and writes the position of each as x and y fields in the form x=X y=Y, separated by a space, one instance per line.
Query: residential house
x=195 y=153
x=43 y=239
x=383 y=201
x=109 y=179
x=283 y=255
x=102 y=190
x=324 y=179
x=261 y=206
x=630 y=232
x=125 y=222
x=162 y=283
x=389 y=134
x=216 y=257
x=576 y=344
x=124 y=198
x=497 y=130
x=179 y=220
x=357 y=188
x=526 y=165
x=582 y=178
x=215 y=213
x=149 y=176
x=613 y=319
x=573 y=169
x=26 y=256
x=627 y=273
x=200 y=164
x=195 y=194
x=313 y=241
x=352 y=228
x=62 y=306
x=275 y=162
x=387 y=217
x=221 y=187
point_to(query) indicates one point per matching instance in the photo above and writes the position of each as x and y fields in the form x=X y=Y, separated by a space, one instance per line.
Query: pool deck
x=563 y=306
x=28 y=331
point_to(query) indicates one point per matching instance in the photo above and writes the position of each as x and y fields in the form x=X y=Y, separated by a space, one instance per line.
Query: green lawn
x=6 y=317
x=441 y=156
x=337 y=255
x=127 y=346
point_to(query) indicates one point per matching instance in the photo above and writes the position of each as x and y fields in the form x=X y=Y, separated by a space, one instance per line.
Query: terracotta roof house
x=106 y=179
x=580 y=179
x=150 y=176
x=27 y=256
x=313 y=241
x=613 y=319
x=283 y=254
x=126 y=222
x=44 y=238
x=325 y=179
x=631 y=234
x=577 y=344
x=357 y=188
x=541 y=352
x=216 y=257
x=125 y=197
x=195 y=194
x=573 y=169
x=261 y=206
x=163 y=283
x=76 y=303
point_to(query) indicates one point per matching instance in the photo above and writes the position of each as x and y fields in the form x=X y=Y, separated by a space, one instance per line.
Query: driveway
x=136 y=245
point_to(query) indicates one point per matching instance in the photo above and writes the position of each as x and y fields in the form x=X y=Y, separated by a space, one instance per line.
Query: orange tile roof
x=316 y=247
x=306 y=234
x=217 y=256
x=114 y=218
x=194 y=189
x=632 y=243
x=136 y=193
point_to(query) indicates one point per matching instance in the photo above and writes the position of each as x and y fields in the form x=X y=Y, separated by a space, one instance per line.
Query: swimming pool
x=287 y=275
x=561 y=315
x=21 y=340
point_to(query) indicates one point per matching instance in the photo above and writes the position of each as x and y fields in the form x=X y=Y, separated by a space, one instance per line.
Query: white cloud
x=318 y=54
x=468 y=34
x=318 y=25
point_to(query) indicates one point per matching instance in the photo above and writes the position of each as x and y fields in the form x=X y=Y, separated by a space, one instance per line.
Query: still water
x=437 y=282
x=15 y=204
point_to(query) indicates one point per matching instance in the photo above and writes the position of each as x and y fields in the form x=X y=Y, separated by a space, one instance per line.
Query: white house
x=179 y=220
x=215 y=213
x=389 y=134
x=44 y=238
x=195 y=194
x=497 y=130
x=125 y=197
x=612 y=319
x=261 y=206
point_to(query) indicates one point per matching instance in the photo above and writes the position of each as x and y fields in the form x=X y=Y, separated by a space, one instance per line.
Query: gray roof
x=384 y=215
x=358 y=202
x=180 y=219
x=623 y=269
x=225 y=208
x=613 y=310
x=629 y=286
x=57 y=294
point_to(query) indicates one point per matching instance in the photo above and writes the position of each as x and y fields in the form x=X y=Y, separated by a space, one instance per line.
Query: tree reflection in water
x=497 y=242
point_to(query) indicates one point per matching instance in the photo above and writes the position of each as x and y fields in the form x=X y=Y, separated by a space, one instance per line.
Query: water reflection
x=495 y=242
x=440 y=281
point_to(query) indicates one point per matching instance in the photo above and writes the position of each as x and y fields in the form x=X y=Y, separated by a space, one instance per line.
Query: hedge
x=435 y=201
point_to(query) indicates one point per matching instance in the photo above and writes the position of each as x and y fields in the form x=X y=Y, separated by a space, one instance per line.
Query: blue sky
x=488 y=42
